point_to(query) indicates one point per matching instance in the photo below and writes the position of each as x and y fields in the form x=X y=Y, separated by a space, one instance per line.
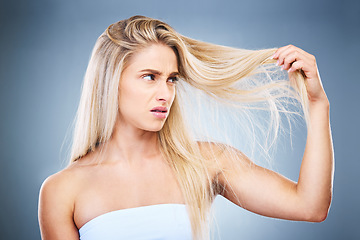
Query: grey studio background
x=44 y=50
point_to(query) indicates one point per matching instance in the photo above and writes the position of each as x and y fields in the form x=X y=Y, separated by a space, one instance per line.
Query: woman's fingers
x=289 y=60
x=292 y=58
x=296 y=66
x=289 y=55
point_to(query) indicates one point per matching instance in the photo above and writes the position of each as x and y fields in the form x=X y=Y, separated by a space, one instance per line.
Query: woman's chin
x=156 y=128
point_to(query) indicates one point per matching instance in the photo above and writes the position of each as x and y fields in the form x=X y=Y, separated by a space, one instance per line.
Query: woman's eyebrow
x=156 y=72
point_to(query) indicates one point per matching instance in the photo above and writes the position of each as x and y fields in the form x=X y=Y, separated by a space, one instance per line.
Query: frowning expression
x=147 y=88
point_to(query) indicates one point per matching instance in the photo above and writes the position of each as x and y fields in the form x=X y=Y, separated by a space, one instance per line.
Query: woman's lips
x=159 y=112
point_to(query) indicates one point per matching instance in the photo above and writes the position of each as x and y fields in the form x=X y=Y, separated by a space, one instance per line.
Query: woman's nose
x=164 y=92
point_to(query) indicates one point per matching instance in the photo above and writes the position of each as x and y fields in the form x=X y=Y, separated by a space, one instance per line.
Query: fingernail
x=273 y=56
x=277 y=63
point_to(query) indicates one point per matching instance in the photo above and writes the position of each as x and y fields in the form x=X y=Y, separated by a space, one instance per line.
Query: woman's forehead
x=157 y=57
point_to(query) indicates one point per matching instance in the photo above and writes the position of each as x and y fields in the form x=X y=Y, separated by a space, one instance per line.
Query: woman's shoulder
x=59 y=185
x=210 y=147
x=57 y=199
x=223 y=154
x=65 y=183
x=216 y=149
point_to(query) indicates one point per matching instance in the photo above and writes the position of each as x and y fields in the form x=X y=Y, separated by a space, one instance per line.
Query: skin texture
x=132 y=166
x=270 y=194
x=141 y=89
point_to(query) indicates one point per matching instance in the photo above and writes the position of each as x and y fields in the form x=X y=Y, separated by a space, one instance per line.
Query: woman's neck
x=132 y=145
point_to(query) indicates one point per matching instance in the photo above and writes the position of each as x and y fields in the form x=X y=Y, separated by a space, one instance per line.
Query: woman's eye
x=173 y=79
x=149 y=77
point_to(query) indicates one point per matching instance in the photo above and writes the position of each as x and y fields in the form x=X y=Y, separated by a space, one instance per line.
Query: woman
x=137 y=173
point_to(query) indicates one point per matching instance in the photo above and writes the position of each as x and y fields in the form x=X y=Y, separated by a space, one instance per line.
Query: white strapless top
x=154 y=222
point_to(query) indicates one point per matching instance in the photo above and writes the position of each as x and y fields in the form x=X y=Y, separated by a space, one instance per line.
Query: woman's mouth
x=159 y=112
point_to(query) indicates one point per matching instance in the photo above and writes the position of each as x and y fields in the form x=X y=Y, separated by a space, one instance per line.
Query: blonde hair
x=220 y=72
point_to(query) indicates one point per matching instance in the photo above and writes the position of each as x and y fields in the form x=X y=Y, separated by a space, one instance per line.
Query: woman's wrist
x=319 y=103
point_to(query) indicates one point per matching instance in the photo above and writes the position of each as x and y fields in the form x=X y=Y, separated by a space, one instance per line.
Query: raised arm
x=268 y=193
x=56 y=209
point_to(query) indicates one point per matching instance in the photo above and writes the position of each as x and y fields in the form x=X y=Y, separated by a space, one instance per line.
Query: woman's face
x=147 y=88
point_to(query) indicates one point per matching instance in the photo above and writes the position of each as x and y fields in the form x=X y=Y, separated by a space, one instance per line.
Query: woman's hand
x=292 y=58
x=270 y=194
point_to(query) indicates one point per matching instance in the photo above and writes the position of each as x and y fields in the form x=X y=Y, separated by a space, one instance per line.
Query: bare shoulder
x=67 y=181
x=60 y=183
x=205 y=147
x=223 y=159
x=225 y=155
x=63 y=186
x=57 y=202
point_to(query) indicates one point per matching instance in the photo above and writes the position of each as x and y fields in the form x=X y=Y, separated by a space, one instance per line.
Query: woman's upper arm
x=259 y=190
x=56 y=204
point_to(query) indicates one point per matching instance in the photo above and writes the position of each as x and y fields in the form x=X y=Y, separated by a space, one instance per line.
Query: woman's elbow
x=318 y=214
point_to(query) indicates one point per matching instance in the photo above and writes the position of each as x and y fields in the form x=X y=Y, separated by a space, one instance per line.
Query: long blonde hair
x=217 y=71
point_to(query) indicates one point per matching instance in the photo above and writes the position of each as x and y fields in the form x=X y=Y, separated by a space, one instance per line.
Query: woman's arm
x=270 y=194
x=56 y=209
